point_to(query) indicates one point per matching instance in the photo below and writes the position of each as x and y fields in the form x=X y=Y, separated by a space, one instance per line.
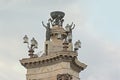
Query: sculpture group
x=59 y=61
x=57 y=20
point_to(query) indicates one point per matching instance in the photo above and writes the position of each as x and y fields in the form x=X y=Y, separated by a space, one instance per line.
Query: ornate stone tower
x=59 y=60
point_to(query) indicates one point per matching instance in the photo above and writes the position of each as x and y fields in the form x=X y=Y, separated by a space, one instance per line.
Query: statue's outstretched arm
x=73 y=26
x=44 y=24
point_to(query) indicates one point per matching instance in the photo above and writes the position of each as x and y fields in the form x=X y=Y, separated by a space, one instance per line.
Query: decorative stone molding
x=63 y=56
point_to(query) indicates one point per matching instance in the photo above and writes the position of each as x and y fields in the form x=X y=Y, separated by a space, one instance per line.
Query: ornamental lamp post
x=32 y=46
x=77 y=45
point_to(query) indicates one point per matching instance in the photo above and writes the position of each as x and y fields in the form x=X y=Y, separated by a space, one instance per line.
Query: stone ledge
x=62 y=56
x=47 y=57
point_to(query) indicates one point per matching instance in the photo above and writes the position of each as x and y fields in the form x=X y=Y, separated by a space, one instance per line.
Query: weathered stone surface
x=64 y=77
x=51 y=71
x=47 y=67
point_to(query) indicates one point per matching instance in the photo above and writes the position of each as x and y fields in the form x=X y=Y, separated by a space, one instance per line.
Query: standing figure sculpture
x=69 y=29
x=48 y=30
x=57 y=21
x=57 y=18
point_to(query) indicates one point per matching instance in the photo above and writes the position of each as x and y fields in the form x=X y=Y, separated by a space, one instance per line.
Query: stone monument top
x=59 y=60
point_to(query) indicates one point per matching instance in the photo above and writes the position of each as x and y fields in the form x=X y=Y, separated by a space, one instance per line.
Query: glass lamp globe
x=33 y=42
x=25 y=38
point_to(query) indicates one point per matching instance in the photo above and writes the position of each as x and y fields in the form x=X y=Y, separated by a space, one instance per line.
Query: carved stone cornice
x=62 y=56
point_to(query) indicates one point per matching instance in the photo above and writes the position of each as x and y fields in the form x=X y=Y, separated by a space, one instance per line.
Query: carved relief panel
x=64 y=77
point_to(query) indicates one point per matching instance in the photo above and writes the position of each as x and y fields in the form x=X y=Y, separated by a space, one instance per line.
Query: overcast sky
x=97 y=26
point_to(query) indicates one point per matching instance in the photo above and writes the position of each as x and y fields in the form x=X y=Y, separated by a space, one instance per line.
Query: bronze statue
x=48 y=30
x=57 y=18
x=69 y=29
x=57 y=21
x=69 y=37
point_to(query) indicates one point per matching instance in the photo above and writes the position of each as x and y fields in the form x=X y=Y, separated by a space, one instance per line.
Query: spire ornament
x=57 y=18
x=59 y=60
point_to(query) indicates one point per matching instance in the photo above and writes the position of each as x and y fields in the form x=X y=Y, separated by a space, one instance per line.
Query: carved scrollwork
x=64 y=77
